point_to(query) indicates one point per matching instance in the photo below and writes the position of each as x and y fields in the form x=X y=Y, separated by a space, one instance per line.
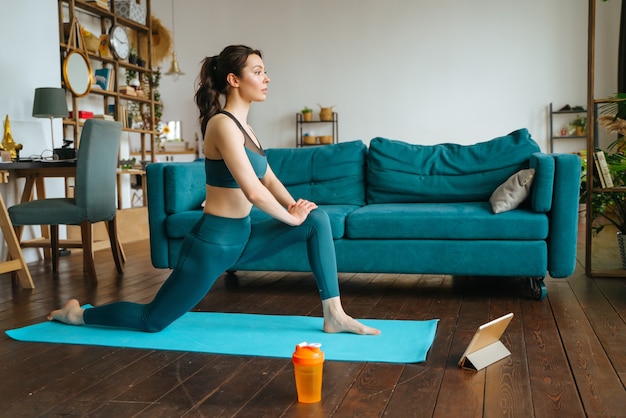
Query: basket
x=92 y=43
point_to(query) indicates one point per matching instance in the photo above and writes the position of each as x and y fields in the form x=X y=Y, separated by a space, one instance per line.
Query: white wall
x=421 y=71
x=29 y=59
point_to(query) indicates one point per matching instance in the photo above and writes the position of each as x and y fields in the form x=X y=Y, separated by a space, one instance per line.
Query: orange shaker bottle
x=308 y=364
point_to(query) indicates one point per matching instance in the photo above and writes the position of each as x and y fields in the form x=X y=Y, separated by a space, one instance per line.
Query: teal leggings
x=213 y=246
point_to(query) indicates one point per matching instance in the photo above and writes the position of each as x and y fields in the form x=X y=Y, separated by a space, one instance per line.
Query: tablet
x=485 y=347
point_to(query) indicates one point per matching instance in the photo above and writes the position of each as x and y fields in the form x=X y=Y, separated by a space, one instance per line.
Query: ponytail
x=212 y=79
x=208 y=94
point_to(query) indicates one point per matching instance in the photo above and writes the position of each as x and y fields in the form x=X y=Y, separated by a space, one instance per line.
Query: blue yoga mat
x=401 y=341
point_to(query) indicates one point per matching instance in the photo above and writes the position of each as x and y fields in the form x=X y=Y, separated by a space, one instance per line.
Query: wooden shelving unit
x=68 y=10
x=332 y=124
x=559 y=114
x=592 y=104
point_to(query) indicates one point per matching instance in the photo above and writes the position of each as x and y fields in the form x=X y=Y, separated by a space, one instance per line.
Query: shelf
x=608 y=273
x=568 y=112
x=300 y=122
x=92 y=9
x=620 y=189
x=608 y=100
x=72 y=122
x=84 y=11
x=316 y=121
x=186 y=152
x=96 y=11
x=558 y=113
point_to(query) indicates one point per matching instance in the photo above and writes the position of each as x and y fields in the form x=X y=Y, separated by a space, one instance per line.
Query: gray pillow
x=512 y=192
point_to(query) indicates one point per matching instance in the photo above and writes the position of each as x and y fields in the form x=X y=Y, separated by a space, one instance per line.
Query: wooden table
x=36 y=171
x=136 y=172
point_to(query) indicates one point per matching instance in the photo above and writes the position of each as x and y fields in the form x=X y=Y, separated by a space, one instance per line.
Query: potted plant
x=579 y=125
x=131 y=76
x=612 y=117
x=307 y=114
x=132 y=57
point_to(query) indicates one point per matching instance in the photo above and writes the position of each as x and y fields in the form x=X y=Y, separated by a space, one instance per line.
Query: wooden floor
x=568 y=352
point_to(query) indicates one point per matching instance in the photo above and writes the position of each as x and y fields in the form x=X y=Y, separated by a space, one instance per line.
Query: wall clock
x=118 y=39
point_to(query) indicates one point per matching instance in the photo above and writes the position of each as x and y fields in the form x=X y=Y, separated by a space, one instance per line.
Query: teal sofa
x=397 y=207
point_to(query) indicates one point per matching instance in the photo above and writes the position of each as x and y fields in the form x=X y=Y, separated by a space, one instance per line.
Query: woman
x=237 y=177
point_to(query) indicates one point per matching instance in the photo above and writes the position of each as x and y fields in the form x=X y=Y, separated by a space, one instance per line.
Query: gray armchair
x=94 y=200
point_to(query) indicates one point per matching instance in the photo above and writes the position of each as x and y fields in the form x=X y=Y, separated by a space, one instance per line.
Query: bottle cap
x=308 y=354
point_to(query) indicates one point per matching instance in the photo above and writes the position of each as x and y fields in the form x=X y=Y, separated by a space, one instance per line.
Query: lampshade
x=174 y=67
x=50 y=103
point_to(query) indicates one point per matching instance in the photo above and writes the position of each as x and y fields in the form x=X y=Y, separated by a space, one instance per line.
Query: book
x=104 y=117
x=128 y=90
x=597 y=173
x=82 y=114
x=603 y=169
x=103 y=78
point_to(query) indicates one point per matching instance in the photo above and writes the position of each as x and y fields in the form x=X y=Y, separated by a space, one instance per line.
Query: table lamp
x=50 y=103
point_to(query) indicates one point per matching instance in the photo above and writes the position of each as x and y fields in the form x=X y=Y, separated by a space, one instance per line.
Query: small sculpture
x=7 y=141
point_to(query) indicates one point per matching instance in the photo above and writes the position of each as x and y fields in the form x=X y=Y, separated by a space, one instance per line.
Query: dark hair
x=212 y=80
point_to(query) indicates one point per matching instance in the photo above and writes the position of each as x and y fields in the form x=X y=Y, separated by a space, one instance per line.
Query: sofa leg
x=231 y=280
x=538 y=288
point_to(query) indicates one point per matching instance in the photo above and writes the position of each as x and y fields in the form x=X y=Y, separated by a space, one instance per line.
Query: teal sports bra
x=217 y=174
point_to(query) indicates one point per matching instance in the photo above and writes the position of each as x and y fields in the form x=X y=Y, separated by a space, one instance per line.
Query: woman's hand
x=300 y=210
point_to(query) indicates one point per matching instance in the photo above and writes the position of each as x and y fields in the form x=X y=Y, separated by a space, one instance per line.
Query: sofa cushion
x=455 y=221
x=510 y=194
x=328 y=175
x=399 y=172
x=179 y=224
x=336 y=213
x=184 y=186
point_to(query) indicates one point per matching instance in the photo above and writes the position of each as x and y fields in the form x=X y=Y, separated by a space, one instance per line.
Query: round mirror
x=77 y=73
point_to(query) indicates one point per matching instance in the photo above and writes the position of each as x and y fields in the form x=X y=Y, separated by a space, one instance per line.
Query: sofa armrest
x=173 y=187
x=155 y=183
x=563 y=233
x=543 y=184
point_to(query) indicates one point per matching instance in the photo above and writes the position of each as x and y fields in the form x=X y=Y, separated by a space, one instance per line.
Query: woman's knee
x=318 y=218
x=152 y=325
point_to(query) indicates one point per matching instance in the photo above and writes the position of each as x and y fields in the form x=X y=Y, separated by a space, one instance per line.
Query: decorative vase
x=621 y=242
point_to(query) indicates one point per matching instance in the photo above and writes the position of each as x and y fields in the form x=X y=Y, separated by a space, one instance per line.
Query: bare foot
x=348 y=324
x=71 y=313
x=336 y=320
